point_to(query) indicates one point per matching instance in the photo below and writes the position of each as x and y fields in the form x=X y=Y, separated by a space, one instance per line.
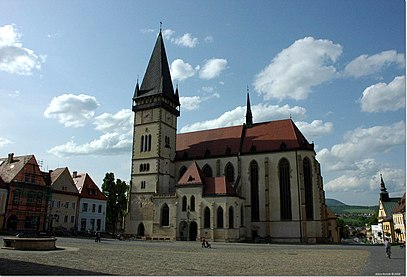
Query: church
x=251 y=182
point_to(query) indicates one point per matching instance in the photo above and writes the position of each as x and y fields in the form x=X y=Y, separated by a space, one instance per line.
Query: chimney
x=75 y=174
x=10 y=158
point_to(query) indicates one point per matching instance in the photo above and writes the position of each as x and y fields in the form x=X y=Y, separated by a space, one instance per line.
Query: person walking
x=387 y=247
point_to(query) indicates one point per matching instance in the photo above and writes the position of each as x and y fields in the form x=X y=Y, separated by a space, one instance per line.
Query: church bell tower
x=156 y=108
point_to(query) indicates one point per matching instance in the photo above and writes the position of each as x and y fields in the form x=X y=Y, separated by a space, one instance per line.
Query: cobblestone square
x=113 y=257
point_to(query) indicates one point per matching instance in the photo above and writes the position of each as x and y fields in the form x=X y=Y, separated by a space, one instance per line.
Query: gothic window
x=142 y=144
x=254 y=190
x=219 y=217
x=192 y=203
x=165 y=215
x=149 y=143
x=230 y=172
x=182 y=171
x=143 y=184
x=207 y=218
x=285 y=190
x=145 y=143
x=309 y=211
x=207 y=170
x=167 y=142
x=231 y=217
x=184 y=203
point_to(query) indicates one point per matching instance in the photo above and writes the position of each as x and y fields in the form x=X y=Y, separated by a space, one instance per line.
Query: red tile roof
x=213 y=186
x=87 y=188
x=279 y=135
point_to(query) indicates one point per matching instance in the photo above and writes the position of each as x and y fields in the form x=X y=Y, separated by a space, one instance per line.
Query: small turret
x=249 y=116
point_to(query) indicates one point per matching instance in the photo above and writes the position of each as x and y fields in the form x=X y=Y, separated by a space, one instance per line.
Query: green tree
x=116 y=193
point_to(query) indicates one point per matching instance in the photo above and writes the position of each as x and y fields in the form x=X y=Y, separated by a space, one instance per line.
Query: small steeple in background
x=384 y=195
x=249 y=115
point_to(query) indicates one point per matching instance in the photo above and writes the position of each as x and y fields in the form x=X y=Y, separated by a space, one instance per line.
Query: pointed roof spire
x=157 y=79
x=384 y=195
x=249 y=116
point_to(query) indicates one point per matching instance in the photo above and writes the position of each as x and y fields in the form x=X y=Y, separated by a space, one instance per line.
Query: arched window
x=184 y=203
x=142 y=144
x=230 y=172
x=285 y=190
x=182 y=170
x=309 y=209
x=219 y=217
x=192 y=203
x=149 y=143
x=207 y=170
x=254 y=190
x=231 y=217
x=165 y=215
x=207 y=218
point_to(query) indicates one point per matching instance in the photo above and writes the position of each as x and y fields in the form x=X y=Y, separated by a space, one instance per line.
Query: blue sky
x=68 y=71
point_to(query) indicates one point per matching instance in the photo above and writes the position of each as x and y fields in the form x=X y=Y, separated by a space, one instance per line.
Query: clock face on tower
x=168 y=118
x=146 y=116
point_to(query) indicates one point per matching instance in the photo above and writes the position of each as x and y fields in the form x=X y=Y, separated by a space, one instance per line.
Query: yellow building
x=399 y=220
x=65 y=199
x=385 y=215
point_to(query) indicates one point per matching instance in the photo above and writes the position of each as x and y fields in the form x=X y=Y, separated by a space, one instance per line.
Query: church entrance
x=193 y=231
x=140 y=230
x=183 y=230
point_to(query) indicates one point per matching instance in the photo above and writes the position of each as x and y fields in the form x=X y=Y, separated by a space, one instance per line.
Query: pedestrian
x=97 y=237
x=387 y=247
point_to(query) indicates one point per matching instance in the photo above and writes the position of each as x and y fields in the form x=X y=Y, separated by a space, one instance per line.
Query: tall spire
x=249 y=116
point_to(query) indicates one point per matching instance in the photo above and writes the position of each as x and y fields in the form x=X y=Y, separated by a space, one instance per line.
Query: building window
x=192 y=203
x=73 y=205
x=143 y=184
x=16 y=197
x=165 y=215
x=66 y=219
x=254 y=190
x=207 y=170
x=309 y=204
x=83 y=224
x=241 y=216
x=30 y=198
x=145 y=143
x=92 y=224
x=66 y=205
x=100 y=209
x=98 y=224
x=93 y=208
x=219 y=217
x=230 y=172
x=184 y=203
x=72 y=218
x=84 y=207
x=207 y=218
x=285 y=190
x=167 y=142
x=231 y=217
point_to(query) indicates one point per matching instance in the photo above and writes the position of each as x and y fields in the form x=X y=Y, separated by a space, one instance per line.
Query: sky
x=68 y=70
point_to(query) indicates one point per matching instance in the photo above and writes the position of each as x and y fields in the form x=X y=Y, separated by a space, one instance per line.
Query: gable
x=61 y=181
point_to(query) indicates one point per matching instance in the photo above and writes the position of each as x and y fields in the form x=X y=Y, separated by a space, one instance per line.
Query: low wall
x=29 y=243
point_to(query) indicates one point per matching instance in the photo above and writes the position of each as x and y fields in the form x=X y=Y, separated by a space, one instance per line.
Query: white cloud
x=4 y=142
x=383 y=97
x=365 y=65
x=14 y=58
x=315 y=129
x=186 y=40
x=298 y=68
x=261 y=112
x=361 y=144
x=190 y=103
x=121 y=122
x=208 y=39
x=107 y=144
x=181 y=70
x=72 y=110
x=213 y=68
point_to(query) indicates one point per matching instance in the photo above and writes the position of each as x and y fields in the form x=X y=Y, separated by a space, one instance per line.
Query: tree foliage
x=116 y=193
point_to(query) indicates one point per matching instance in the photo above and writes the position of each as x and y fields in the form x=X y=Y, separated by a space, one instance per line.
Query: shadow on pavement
x=13 y=267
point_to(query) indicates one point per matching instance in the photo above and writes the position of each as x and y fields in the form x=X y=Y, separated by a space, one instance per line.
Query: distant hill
x=334 y=202
x=339 y=207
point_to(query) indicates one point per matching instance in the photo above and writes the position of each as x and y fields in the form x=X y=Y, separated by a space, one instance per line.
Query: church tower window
x=184 y=203
x=231 y=217
x=219 y=215
x=308 y=189
x=207 y=171
x=230 y=172
x=285 y=190
x=207 y=218
x=192 y=203
x=165 y=215
x=254 y=190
